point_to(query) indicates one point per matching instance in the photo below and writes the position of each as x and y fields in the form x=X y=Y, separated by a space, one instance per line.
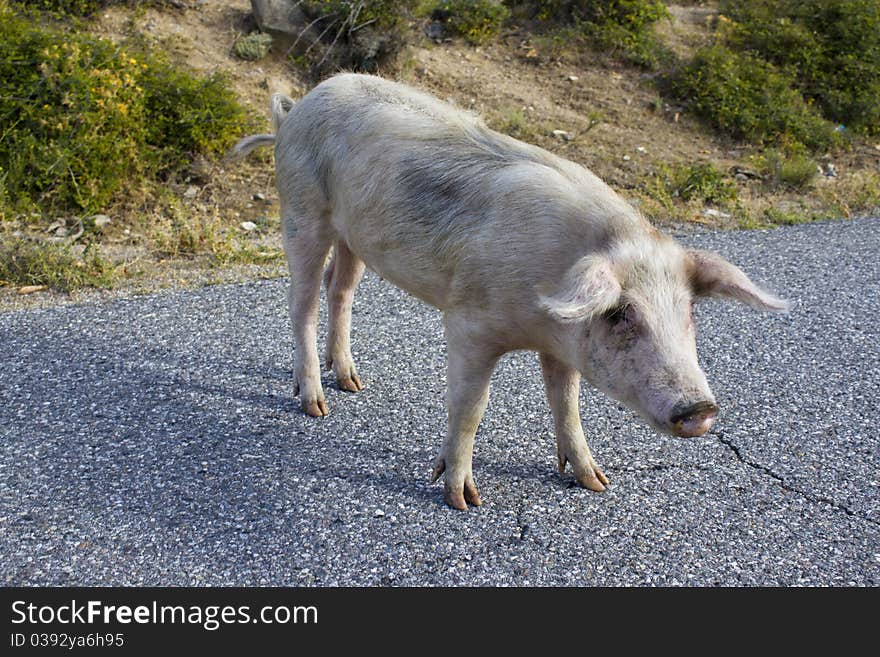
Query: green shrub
x=74 y=7
x=252 y=46
x=363 y=36
x=831 y=47
x=635 y=15
x=476 y=20
x=511 y=121
x=794 y=170
x=786 y=216
x=83 y=117
x=78 y=7
x=186 y=114
x=623 y=27
x=60 y=266
x=73 y=116
x=751 y=99
x=702 y=182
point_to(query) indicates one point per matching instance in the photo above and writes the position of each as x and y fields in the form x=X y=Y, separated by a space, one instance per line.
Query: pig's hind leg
x=341 y=278
x=306 y=244
x=563 y=387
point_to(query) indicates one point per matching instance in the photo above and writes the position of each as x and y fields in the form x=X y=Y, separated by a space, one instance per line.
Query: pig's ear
x=589 y=287
x=712 y=276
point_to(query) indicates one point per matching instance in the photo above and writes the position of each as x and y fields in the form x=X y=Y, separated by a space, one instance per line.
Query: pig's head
x=629 y=314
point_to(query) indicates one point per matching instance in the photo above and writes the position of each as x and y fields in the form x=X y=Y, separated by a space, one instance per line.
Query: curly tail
x=279 y=106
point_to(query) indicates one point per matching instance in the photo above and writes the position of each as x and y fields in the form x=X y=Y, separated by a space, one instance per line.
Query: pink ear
x=712 y=275
x=589 y=287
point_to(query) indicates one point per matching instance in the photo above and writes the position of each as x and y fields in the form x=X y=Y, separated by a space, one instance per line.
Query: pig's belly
x=414 y=268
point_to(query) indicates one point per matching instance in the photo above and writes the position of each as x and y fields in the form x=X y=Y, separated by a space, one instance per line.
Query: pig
x=519 y=248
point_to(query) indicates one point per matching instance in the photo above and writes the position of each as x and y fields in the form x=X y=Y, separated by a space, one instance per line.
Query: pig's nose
x=694 y=419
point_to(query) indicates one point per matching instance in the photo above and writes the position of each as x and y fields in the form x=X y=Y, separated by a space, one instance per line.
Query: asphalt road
x=155 y=441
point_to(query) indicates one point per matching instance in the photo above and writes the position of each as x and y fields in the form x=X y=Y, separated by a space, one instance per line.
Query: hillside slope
x=582 y=105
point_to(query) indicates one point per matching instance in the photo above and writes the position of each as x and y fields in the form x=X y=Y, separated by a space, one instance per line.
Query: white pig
x=519 y=249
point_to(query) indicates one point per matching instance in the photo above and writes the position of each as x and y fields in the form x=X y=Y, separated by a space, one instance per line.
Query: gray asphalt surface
x=156 y=441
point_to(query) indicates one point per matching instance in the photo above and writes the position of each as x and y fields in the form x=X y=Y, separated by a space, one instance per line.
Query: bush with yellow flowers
x=82 y=119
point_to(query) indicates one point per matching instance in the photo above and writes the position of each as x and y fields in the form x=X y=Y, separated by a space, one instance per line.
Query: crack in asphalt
x=815 y=499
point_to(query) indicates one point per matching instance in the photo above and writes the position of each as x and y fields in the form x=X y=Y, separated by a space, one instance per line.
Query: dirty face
x=631 y=309
x=642 y=351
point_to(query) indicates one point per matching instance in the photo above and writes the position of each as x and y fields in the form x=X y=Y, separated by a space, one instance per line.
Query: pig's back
x=424 y=192
x=353 y=120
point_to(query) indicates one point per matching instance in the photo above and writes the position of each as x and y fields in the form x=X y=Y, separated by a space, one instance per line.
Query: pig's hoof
x=588 y=475
x=346 y=376
x=458 y=496
x=315 y=408
x=351 y=383
x=312 y=404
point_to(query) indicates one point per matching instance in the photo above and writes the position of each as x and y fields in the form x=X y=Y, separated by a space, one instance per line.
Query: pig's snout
x=690 y=420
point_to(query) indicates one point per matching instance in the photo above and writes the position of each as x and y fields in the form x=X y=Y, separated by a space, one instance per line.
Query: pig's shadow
x=146 y=414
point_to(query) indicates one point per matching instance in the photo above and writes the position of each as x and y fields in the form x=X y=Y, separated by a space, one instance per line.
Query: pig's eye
x=617 y=315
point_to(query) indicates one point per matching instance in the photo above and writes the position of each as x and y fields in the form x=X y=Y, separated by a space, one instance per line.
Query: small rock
x=100 y=220
x=564 y=135
x=259 y=196
x=30 y=289
x=248 y=226
x=191 y=192
x=61 y=231
x=715 y=214
x=573 y=78
x=741 y=173
x=626 y=158
x=55 y=225
x=641 y=149
x=379 y=513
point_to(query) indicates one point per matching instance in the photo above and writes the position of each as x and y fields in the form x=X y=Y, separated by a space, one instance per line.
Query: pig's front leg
x=563 y=386
x=469 y=368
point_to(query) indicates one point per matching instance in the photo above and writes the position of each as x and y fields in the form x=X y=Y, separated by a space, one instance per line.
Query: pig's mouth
x=685 y=419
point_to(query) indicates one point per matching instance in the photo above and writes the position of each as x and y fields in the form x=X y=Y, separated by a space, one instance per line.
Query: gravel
x=155 y=441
